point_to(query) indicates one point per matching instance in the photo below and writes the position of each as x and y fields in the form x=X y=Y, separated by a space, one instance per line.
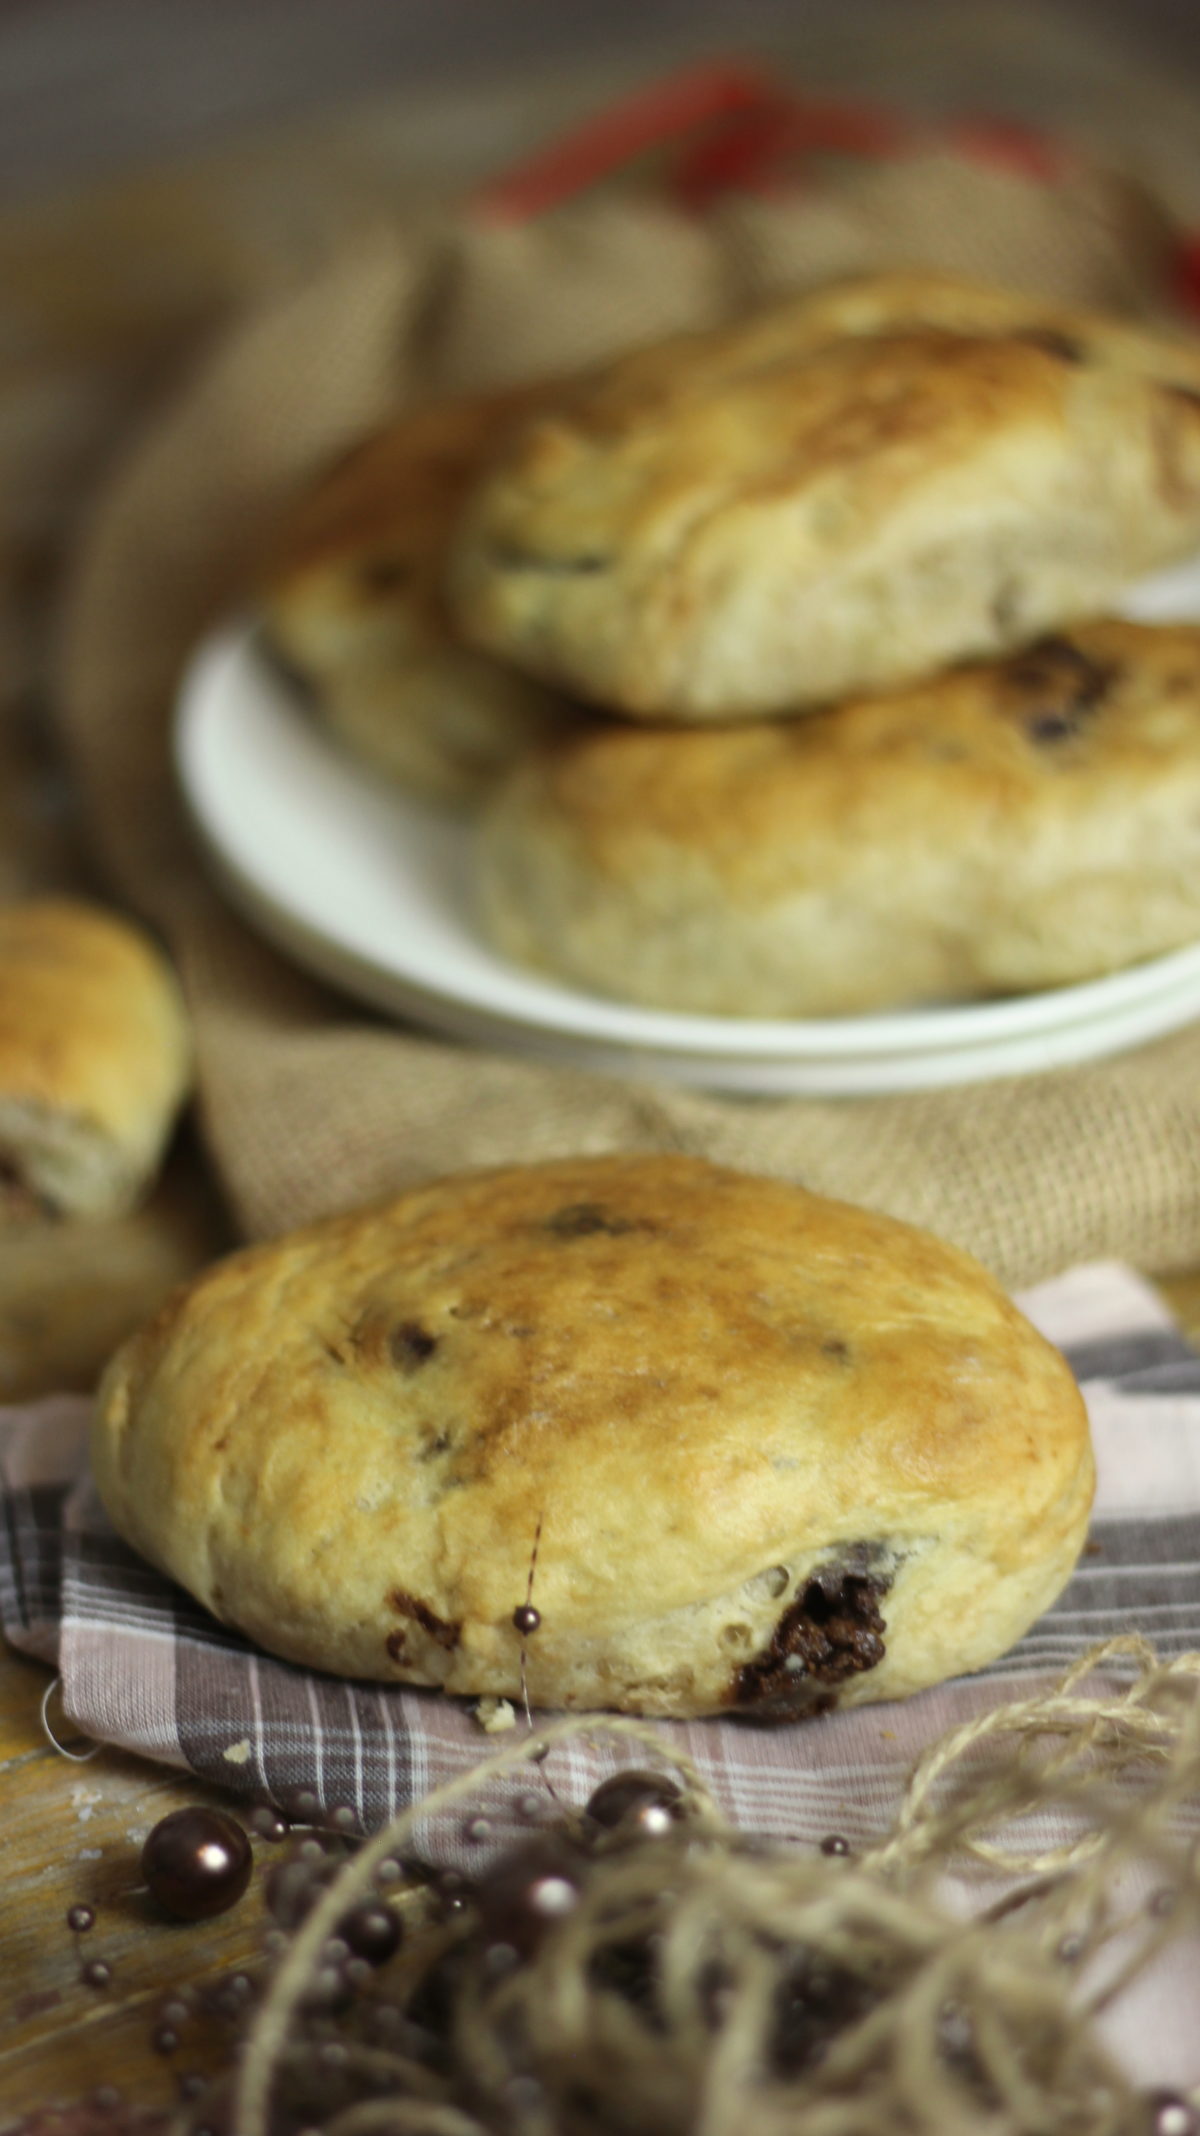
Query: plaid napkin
x=143 y=1666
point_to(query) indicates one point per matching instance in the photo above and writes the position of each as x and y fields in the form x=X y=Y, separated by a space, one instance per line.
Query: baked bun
x=1022 y=824
x=353 y=604
x=94 y=1058
x=845 y=492
x=776 y=1454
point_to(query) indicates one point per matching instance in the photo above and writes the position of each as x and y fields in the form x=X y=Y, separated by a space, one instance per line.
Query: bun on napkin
x=353 y=603
x=95 y=1058
x=776 y=1454
x=1020 y=824
x=846 y=491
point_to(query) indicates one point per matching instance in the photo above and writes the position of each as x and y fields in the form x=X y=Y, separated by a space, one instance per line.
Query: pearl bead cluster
x=196 y=1863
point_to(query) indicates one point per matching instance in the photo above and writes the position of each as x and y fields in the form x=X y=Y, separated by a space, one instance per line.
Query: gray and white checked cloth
x=142 y=1666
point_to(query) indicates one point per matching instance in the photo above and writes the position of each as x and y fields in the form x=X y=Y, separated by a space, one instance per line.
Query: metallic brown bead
x=267 y=1824
x=300 y=1805
x=288 y=1892
x=833 y=1843
x=523 y=1896
x=197 y=1863
x=526 y=1619
x=328 y=1990
x=80 y=1919
x=371 y=1931
x=645 y=1803
x=1171 y=2114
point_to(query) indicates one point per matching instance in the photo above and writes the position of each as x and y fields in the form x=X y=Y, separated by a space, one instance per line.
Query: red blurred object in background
x=729 y=127
x=738 y=129
x=1187 y=282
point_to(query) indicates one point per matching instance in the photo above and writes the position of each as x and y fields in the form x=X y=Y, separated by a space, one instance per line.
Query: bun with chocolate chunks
x=1023 y=823
x=847 y=490
x=779 y=1454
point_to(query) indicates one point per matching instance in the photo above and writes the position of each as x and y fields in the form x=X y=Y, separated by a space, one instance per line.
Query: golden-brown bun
x=776 y=1453
x=1017 y=825
x=94 y=1058
x=354 y=604
x=844 y=492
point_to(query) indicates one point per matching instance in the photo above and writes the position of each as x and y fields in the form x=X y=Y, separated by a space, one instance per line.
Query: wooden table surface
x=72 y=1835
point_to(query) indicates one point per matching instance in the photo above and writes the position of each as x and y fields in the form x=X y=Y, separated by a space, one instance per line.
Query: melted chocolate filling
x=447 y=1635
x=409 y=1345
x=833 y=1629
x=1064 y=685
x=582 y=1220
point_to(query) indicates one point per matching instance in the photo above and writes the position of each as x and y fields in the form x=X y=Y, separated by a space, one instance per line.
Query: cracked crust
x=845 y=492
x=1026 y=823
x=751 y=1424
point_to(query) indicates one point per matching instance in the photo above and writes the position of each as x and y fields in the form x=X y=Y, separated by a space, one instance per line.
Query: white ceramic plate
x=372 y=891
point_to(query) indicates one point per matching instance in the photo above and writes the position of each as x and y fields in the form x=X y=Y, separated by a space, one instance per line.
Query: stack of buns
x=781 y=655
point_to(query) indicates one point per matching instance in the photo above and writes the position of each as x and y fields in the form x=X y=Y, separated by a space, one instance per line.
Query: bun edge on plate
x=1020 y=824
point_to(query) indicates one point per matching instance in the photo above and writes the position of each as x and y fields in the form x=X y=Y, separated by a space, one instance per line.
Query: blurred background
x=160 y=161
x=164 y=163
x=93 y=87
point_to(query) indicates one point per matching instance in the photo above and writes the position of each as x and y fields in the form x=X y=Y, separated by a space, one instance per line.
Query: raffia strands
x=706 y=1985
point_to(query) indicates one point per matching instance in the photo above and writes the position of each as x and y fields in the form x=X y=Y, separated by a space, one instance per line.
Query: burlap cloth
x=307 y=1103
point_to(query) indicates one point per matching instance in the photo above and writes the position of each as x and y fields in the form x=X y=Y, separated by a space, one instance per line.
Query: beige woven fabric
x=308 y=1104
